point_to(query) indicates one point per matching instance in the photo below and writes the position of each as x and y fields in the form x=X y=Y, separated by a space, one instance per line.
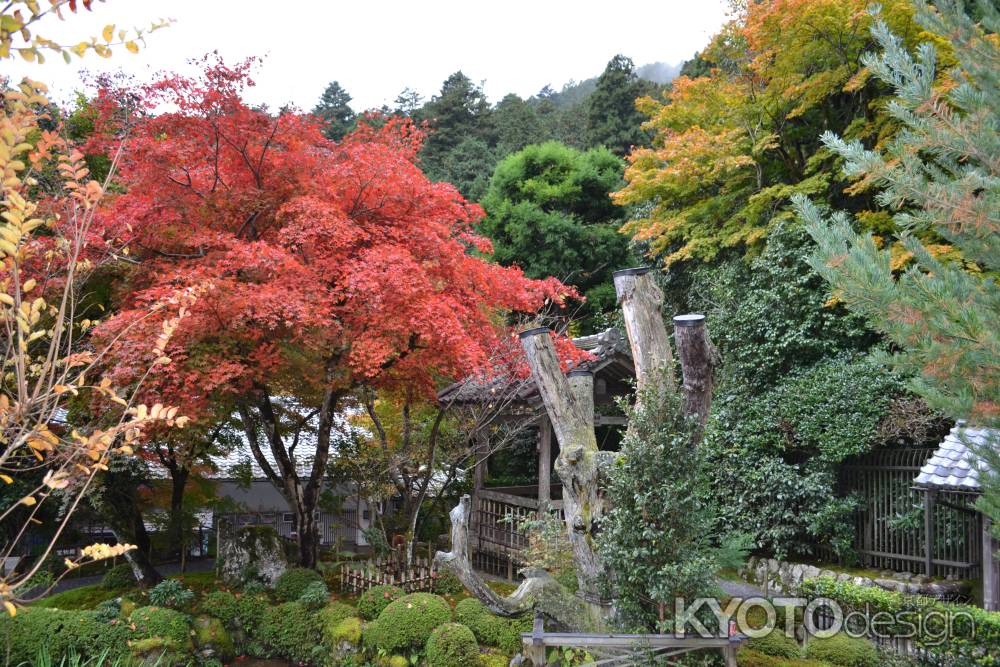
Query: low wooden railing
x=359 y=576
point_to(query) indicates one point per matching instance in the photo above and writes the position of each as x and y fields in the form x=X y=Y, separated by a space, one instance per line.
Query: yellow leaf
x=28 y=500
x=11 y=609
x=108 y=33
x=7 y=479
x=29 y=285
x=27 y=54
x=132 y=47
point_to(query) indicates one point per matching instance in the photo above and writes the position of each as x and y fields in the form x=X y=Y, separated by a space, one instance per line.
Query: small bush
x=160 y=622
x=250 y=613
x=446 y=583
x=346 y=630
x=120 y=576
x=492 y=630
x=493 y=660
x=315 y=595
x=843 y=650
x=109 y=610
x=61 y=633
x=222 y=605
x=160 y=651
x=331 y=617
x=452 y=645
x=747 y=657
x=291 y=631
x=375 y=599
x=776 y=644
x=406 y=624
x=171 y=594
x=293 y=583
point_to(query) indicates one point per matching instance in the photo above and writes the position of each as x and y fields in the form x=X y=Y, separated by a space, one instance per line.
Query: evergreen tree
x=516 y=124
x=459 y=112
x=941 y=174
x=612 y=118
x=548 y=211
x=335 y=110
x=408 y=102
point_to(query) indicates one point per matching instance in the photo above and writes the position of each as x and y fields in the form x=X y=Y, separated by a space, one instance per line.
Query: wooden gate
x=889 y=529
x=498 y=538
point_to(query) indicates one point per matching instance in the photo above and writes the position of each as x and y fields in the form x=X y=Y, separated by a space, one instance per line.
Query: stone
x=212 y=640
x=253 y=553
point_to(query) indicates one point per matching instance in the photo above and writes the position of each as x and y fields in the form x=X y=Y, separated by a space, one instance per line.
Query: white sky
x=376 y=48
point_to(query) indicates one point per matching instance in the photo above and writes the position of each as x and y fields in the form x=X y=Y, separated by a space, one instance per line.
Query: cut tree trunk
x=577 y=464
x=642 y=307
x=697 y=357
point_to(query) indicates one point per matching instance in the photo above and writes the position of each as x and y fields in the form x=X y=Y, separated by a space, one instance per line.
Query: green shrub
x=160 y=652
x=843 y=650
x=171 y=594
x=452 y=645
x=747 y=657
x=210 y=633
x=493 y=660
x=61 y=633
x=375 y=599
x=160 y=622
x=446 y=583
x=331 y=617
x=973 y=634
x=406 y=624
x=120 y=576
x=291 y=631
x=776 y=644
x=222 y=605
x=109 y=610
x=315 y=595
x=293 y=582
x=345 y=630
x=492 y=630
x=250 y=612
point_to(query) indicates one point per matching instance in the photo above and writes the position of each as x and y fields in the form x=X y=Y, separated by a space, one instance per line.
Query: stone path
x=740 y=589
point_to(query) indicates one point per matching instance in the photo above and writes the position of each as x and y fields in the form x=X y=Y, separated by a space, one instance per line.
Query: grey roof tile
x=954 y=466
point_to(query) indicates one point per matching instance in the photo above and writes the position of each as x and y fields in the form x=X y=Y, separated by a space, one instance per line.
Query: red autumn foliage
x=330 y=264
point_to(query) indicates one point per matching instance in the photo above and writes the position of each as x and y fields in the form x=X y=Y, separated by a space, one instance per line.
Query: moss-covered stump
x=252 y=553
x=212 y=640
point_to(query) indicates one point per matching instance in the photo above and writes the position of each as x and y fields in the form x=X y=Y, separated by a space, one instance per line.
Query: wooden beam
x=642 y=304
x=929 y=495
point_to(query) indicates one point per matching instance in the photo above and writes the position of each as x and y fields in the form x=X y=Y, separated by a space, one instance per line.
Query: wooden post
x=697 y=364
x=642 y=304
x=929 y=532
x=991 y=568
x=544 y=460
x=534 y=649
x=730 y=655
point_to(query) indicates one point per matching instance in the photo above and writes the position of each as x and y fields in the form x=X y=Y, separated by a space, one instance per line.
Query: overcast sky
x=375 y=49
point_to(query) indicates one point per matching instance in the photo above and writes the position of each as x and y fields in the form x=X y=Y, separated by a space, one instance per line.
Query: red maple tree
x=326 y=266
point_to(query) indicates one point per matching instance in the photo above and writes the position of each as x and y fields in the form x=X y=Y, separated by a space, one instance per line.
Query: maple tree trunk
x=308 y=537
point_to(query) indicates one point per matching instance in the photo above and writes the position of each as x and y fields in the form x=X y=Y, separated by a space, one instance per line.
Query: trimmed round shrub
x=452 y=645
x=109 y=610
x=291 y=631
x=251 y=611
x=776 y=644
x=222 y=605
x=446 y=583
x=160 y=622
x=490 y=629
x=170 y=593
x=843 y=650
x=345 y=630
x=293 y=583
x=61 y=632
x=315 y=595
x=120 y=576
x=375 y=599
x=407 y=623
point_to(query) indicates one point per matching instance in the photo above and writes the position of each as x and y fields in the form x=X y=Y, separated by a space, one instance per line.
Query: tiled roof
x=954 y=466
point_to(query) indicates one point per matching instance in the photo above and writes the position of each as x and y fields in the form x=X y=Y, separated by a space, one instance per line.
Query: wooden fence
x=358 y=577
x=890 y=526
x=499 y=539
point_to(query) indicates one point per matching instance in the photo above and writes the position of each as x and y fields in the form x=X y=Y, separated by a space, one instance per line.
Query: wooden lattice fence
x=358 y=577
x=890 y=525
x=499 y=538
